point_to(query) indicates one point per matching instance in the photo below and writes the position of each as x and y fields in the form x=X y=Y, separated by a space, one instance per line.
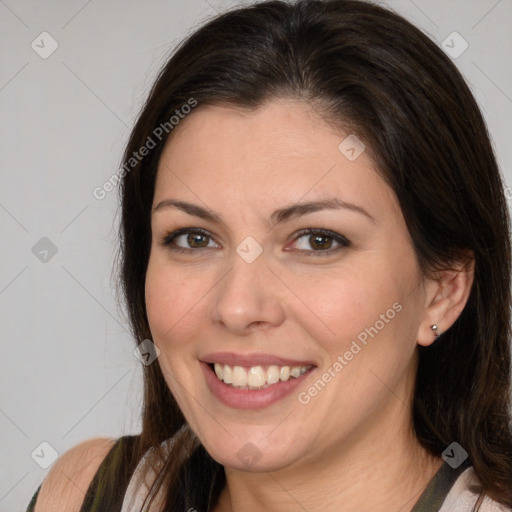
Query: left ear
x=446 y=296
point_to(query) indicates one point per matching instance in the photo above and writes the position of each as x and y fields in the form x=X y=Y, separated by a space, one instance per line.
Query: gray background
x=67 y=371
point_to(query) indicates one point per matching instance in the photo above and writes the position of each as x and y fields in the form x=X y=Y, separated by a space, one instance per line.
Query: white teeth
x=257 y=377
x=272 y=374
x=227 y=374
x=295 y=372
x=239 y=377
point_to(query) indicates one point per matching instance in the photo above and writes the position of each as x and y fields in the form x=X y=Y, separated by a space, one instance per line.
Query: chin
x=250 y=459
x=252 y=449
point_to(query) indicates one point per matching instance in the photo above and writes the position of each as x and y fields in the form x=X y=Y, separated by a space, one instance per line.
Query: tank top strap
x=111 y=480
x=432 y=498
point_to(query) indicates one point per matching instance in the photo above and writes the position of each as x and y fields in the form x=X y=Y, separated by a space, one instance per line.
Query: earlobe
x=445 y=300
x=437 y=333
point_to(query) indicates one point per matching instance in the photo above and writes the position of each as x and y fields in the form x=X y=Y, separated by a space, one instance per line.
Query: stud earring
x=436 y=332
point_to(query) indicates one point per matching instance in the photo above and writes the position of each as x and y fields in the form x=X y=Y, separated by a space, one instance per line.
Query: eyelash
x=168 y=240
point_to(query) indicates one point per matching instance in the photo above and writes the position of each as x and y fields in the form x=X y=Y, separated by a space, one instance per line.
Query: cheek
x=370 y=314
x=171 y=302
x=350 y=302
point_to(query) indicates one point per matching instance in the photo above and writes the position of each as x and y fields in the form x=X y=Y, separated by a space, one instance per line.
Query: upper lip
x=232 y=359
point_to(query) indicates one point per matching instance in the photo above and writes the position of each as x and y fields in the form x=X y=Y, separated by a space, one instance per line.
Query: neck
x=380 y=486
x=383 y=469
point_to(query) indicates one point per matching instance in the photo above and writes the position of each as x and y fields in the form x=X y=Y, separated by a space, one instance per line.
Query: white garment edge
x=460 y=498
x=138 y=488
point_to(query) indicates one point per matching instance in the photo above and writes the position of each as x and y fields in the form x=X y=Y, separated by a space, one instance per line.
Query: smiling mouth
x=256 y=377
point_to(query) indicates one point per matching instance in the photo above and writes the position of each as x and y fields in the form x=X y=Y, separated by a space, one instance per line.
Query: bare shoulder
x=67 y=482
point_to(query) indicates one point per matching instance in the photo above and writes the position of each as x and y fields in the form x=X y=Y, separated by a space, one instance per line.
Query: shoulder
x=66 y=484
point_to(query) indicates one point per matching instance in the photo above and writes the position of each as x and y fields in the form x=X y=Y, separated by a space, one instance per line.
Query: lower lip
x=250 y=398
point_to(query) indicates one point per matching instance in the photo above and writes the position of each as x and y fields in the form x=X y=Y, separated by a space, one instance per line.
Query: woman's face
x=255 y=294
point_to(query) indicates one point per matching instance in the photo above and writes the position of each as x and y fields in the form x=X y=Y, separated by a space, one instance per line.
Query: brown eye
x=187 y=240
x=195 y=238
x=320 y=241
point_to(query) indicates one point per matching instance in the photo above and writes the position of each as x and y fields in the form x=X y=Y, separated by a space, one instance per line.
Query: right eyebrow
x=191 y=209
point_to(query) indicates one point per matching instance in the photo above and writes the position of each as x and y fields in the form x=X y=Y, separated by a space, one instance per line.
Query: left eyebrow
x=278 y=216
x=299 y=209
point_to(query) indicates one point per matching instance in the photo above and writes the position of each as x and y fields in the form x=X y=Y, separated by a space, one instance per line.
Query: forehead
x=282 y=151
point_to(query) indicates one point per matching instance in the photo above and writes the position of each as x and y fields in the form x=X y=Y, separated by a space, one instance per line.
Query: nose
x=249 y=297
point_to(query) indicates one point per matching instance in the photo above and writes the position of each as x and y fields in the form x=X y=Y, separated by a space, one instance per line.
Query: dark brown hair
x=366 y=69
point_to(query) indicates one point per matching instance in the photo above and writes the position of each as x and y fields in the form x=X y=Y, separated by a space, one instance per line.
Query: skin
x=355 y=435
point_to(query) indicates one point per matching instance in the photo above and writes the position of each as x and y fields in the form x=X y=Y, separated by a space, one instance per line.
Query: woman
x=315 y=237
